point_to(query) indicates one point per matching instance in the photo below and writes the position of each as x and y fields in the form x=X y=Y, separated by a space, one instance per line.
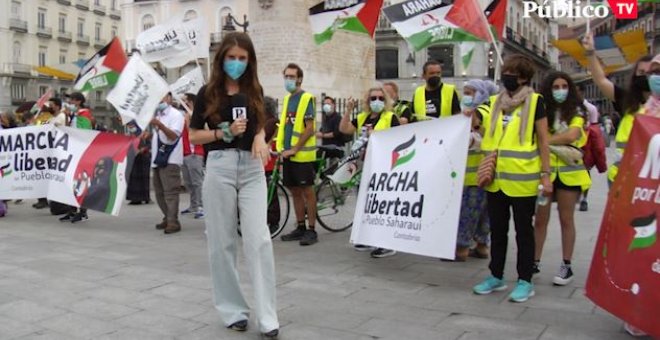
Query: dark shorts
x=296 y=174
x=559 y=185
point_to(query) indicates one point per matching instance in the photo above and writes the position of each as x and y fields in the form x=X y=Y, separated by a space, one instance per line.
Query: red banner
x=625 y=270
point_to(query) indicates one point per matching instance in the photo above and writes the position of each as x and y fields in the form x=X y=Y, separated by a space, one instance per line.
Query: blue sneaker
x=187 y=211
x=523 y=291
x=199 y=214
x=489 y=285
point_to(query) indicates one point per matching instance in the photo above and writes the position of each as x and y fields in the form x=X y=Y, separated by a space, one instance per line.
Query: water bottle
x=541 y=200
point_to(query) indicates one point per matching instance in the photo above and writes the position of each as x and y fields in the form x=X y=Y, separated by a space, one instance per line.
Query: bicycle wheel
x=283 y=207
x=335 y=206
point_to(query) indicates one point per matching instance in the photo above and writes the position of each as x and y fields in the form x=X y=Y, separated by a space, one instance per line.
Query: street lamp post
x=231 y=21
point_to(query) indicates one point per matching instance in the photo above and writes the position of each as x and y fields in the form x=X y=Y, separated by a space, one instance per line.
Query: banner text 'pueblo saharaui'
x=411 y=185
x=624 y=278
x=71 y=166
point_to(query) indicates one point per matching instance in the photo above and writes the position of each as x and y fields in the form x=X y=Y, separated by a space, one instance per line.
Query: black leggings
x=499 y=212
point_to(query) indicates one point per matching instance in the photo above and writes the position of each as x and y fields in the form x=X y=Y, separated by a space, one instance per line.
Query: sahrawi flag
x=646 y=229
x=360 y=16
x=423 y=23
x=103 y=69
x=403 y=153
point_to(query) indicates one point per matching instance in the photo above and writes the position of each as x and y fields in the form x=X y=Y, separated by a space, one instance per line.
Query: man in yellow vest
x=434 y=99
x=296 y=141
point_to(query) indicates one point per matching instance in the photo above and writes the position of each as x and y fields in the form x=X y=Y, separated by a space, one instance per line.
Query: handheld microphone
x=239 y=105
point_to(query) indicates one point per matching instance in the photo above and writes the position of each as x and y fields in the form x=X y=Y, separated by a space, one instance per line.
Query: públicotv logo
x=556 y=9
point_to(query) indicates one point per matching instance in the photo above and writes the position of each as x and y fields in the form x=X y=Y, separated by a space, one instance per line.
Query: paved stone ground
x=119 y=278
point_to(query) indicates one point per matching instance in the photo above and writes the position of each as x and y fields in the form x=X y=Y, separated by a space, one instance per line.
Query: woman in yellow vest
x=473 y=221
x=566 y=119
x=377 y=115
x=627 y=102
x=517 y=132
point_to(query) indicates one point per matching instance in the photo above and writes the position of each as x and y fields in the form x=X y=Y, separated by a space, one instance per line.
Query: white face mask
x=327 y=108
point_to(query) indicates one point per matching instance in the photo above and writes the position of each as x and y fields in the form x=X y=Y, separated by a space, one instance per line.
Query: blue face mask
x=162 y=106
x=654 y=84
x=290 y=85
x=376 y=105
x=467 y=101
x=560 y=95
x=234 y=68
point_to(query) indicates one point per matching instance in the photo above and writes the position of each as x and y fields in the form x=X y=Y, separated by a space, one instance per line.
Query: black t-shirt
x=198 y=120
x=434 y=103
x=331 y=124
x=370 y=121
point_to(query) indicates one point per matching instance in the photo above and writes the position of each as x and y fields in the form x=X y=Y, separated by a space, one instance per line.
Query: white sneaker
x=564 y=276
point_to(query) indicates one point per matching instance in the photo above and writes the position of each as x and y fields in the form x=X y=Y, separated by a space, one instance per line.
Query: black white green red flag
x=359 y=16
x=102 y=69
x=424 y=23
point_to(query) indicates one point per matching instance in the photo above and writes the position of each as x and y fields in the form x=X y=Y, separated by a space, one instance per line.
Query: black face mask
x=641 y=83
x=510 y=82
x=433 y=82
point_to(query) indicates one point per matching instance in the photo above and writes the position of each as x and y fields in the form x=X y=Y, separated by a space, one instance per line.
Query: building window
x=114 y=31
x=42 y=56
x=387 y=64
x=81 y=27
x=17 y=92
x=97 y=2
x=62 y=23
x=41 y=18
x=16 y=9
x=113 y=4
x=62 y=56
x=190 y=14
x=42 y=90
x=148 y=22
x=222 y=17
x=97 y=32
x=99 y=96
x=16 y=52
x=445 y=55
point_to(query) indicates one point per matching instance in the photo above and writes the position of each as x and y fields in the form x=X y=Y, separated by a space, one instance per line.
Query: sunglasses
x=381 y=98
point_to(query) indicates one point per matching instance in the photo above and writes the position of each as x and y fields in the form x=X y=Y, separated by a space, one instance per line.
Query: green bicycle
x=335 y=202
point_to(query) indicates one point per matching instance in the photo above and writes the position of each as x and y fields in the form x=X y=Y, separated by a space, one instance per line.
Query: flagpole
x=588 y=20
x=490 y=33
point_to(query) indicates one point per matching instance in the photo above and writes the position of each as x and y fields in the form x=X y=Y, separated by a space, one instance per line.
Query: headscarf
x=483 y=88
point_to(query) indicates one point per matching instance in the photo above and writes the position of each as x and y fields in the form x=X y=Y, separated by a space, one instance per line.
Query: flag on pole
x=360 y=16
x=190 y=82
x=138 y=92
x=423 y=23
x=496 y=15
x=467 y=14
x=197 y=33
x=41 y=101
x=167 y=40
x=102 y=69
x=614 y=51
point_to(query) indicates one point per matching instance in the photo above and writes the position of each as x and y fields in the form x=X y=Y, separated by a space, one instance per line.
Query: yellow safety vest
x=518 y=168
x=475 y=156
x=621 y=139
x=308 y=152
x=572 y=175
x=384 y=122
x=446 y=101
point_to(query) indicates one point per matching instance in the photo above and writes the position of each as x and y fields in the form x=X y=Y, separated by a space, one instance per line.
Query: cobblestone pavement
x=119 y=278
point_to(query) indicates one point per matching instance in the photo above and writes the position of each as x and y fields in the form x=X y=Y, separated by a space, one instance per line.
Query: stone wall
x=342 y=67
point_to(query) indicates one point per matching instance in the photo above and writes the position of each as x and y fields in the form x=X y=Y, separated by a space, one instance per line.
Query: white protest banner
x=410 y=191
x=190 y=82
x=167 y=40
x=71 y=166
x=137 y=93
x=199 y=39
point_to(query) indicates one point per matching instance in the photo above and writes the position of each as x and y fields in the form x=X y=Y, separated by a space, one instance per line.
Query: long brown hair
x=216 y=94
x=634 y=98
x=573 y=106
